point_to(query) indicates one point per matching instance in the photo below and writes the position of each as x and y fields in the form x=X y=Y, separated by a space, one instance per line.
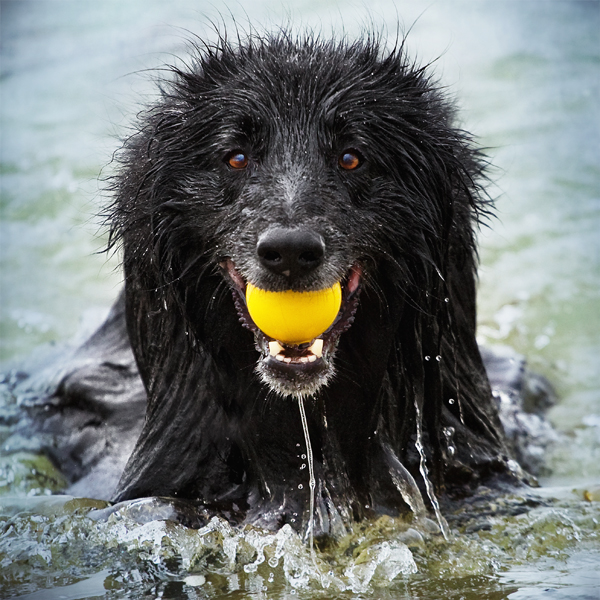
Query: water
x=311 y=476
x=425 y=474
x=527 y=77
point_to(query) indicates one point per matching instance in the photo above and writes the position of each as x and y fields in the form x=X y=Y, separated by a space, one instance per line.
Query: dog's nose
x=290 y=252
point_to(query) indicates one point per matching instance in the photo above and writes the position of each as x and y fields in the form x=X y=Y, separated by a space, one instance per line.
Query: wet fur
x=217 y=433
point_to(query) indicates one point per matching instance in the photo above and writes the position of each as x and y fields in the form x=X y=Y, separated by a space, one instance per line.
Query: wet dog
x=293 y=164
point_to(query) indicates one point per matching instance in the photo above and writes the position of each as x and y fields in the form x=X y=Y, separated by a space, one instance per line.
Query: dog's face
x=295 y=168
x=297 y=230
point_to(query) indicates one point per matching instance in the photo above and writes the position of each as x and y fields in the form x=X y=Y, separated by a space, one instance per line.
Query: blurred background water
x=527 y=78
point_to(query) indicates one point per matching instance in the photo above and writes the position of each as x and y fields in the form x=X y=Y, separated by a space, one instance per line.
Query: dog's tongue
x=293 y=318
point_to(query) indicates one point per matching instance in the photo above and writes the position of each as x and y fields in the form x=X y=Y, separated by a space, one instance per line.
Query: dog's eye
x=349 y=160
x=237 y=160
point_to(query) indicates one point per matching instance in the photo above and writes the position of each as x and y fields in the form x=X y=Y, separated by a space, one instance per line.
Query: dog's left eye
x=349 y=160
x=237 y=160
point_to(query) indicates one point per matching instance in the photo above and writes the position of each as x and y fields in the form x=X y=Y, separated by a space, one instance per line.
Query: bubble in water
x=303 y=456
x=451 y=401
x=446 y=299
x=303 y=466
x=438 y=358
x=300 y=486
x=428 y=358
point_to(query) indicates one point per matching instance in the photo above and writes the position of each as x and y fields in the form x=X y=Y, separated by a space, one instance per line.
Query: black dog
x=293 y=164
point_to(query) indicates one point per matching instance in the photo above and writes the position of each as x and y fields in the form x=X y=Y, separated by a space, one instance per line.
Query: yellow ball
x=293 y=317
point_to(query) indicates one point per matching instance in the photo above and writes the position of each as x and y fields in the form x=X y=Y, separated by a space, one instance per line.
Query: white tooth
x=311 y=358
x=275 y=348
x=287 y=359
x=279 y=357
x=304 y=359
x=317 y=348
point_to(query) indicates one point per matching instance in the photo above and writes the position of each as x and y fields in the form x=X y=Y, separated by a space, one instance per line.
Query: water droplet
x=303 y=456
x=303 y=466
x=451 y=401
x=449 y=432
x=367 y=506
x=451 y=451
x=446 y=299
x=300 y=486
x=428 y=358
x=438 y=358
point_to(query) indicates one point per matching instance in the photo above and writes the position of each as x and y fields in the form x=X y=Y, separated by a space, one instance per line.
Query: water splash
x=384 y=561
x=425 y=474
x=311 y=477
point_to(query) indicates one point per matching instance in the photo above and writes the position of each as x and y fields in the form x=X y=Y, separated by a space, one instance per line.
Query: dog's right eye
x=237 y=160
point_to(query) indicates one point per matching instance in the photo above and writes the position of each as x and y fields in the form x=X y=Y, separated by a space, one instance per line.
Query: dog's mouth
x=298 y=369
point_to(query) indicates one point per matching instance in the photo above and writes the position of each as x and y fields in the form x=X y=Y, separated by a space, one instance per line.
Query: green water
x=527 y=76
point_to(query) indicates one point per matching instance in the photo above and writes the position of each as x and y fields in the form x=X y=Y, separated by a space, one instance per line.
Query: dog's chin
x=297 y=371
x=294 y=381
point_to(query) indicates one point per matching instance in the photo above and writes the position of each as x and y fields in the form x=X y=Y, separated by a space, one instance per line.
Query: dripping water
x=405 y=484
x=311 y=477
x=425 y=474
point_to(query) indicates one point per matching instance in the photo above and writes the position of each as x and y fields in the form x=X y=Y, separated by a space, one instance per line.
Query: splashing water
x=311 y=477
x=425 y=474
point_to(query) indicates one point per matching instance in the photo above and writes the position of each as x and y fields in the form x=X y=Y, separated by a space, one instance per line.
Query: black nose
x=290 y=252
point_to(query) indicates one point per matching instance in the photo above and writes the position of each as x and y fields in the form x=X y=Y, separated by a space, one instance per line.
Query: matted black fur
x=354 y=146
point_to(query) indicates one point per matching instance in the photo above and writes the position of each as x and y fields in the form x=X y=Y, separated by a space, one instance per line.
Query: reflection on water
x=527 y=78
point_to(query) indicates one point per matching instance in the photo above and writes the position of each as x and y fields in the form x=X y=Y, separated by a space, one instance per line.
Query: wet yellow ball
x=293 y=317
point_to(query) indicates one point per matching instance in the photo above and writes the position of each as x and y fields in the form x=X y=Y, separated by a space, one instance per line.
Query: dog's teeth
x=311 y=358
x=287 y=359
x=317 y=347
x=279 y=357
x=304 y=359
x=275 y=348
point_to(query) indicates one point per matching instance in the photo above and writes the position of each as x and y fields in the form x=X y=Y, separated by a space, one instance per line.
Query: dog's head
x=297 y=165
